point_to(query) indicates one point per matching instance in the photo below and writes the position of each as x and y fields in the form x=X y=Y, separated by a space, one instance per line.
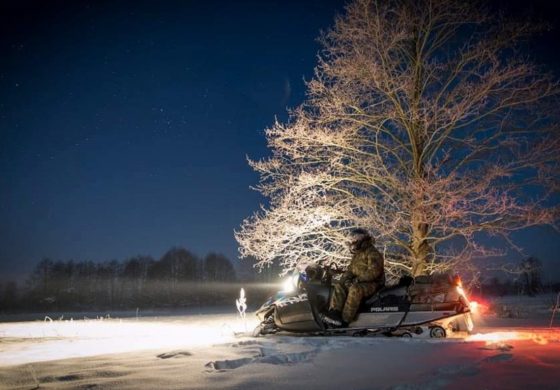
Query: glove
x=351 y=282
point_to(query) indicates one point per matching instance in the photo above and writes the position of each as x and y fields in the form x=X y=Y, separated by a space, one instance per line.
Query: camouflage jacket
x=366 y=266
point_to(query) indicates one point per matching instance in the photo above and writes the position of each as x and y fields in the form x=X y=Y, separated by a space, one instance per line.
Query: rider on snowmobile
x=365 y=276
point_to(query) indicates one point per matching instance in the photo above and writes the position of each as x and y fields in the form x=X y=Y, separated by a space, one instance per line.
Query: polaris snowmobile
x=426 y=305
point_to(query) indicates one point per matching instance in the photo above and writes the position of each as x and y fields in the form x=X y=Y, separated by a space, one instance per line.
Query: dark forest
x=179 y=279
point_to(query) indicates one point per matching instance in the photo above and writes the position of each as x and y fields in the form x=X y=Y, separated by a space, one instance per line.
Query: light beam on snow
x=540 y=337
x=51 y=340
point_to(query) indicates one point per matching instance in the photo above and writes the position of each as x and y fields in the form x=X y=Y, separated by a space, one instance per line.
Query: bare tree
x=426 y=123
x=218 y=268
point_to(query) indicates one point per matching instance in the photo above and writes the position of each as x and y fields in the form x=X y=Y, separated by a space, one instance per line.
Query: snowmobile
x=434 y=306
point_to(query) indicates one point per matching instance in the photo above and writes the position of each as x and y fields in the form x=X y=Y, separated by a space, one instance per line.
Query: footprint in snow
x=502 y=357
x=245 y=343
x=66 y=378
x=503 y=347
x=463 y=370
x=219 y=365
x=174 y=354
x=262 y=357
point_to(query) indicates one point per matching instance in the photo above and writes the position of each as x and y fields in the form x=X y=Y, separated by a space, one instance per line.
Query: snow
x=214 y=351
x=24 y=342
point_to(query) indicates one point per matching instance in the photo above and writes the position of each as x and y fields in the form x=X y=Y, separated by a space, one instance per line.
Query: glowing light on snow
x=541 y=338
x=493 y=337
x=67 y=339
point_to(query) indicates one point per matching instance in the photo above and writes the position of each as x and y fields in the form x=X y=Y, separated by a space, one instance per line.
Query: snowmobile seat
x=400 y=289
x=395 y=291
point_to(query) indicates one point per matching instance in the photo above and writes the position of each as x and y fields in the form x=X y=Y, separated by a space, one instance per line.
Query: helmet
x=357 y=237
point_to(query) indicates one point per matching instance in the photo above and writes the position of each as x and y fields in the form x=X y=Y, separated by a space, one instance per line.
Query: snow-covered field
x=213 y=351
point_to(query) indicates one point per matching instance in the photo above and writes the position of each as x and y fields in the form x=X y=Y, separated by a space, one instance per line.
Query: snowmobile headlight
x=290 y=284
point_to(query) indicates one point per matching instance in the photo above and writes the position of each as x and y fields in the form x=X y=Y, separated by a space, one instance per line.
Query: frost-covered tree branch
x=426 y=124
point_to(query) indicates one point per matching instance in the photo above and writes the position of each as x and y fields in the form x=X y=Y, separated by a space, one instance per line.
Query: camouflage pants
x=347 y=299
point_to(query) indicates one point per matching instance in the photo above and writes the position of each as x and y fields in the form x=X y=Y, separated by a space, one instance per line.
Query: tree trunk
x=420 y=247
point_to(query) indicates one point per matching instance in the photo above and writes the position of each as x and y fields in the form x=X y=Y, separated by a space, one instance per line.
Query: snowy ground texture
x=512 y=348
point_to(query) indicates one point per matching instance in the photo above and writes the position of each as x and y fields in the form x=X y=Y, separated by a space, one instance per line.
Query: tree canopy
x=426 y=123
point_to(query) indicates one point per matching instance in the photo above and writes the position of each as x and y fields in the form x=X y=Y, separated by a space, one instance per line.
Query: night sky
x=125 y=126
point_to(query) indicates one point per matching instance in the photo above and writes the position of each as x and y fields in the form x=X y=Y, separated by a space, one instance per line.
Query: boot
x=333 y=319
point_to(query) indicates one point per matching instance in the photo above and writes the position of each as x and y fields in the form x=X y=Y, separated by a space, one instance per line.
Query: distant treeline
x=178 y=279
x=524 y=279
x=496 y=287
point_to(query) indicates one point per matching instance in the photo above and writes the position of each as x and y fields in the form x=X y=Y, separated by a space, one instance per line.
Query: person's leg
x=338 y=297
x=356 y=293
x=333 y=318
